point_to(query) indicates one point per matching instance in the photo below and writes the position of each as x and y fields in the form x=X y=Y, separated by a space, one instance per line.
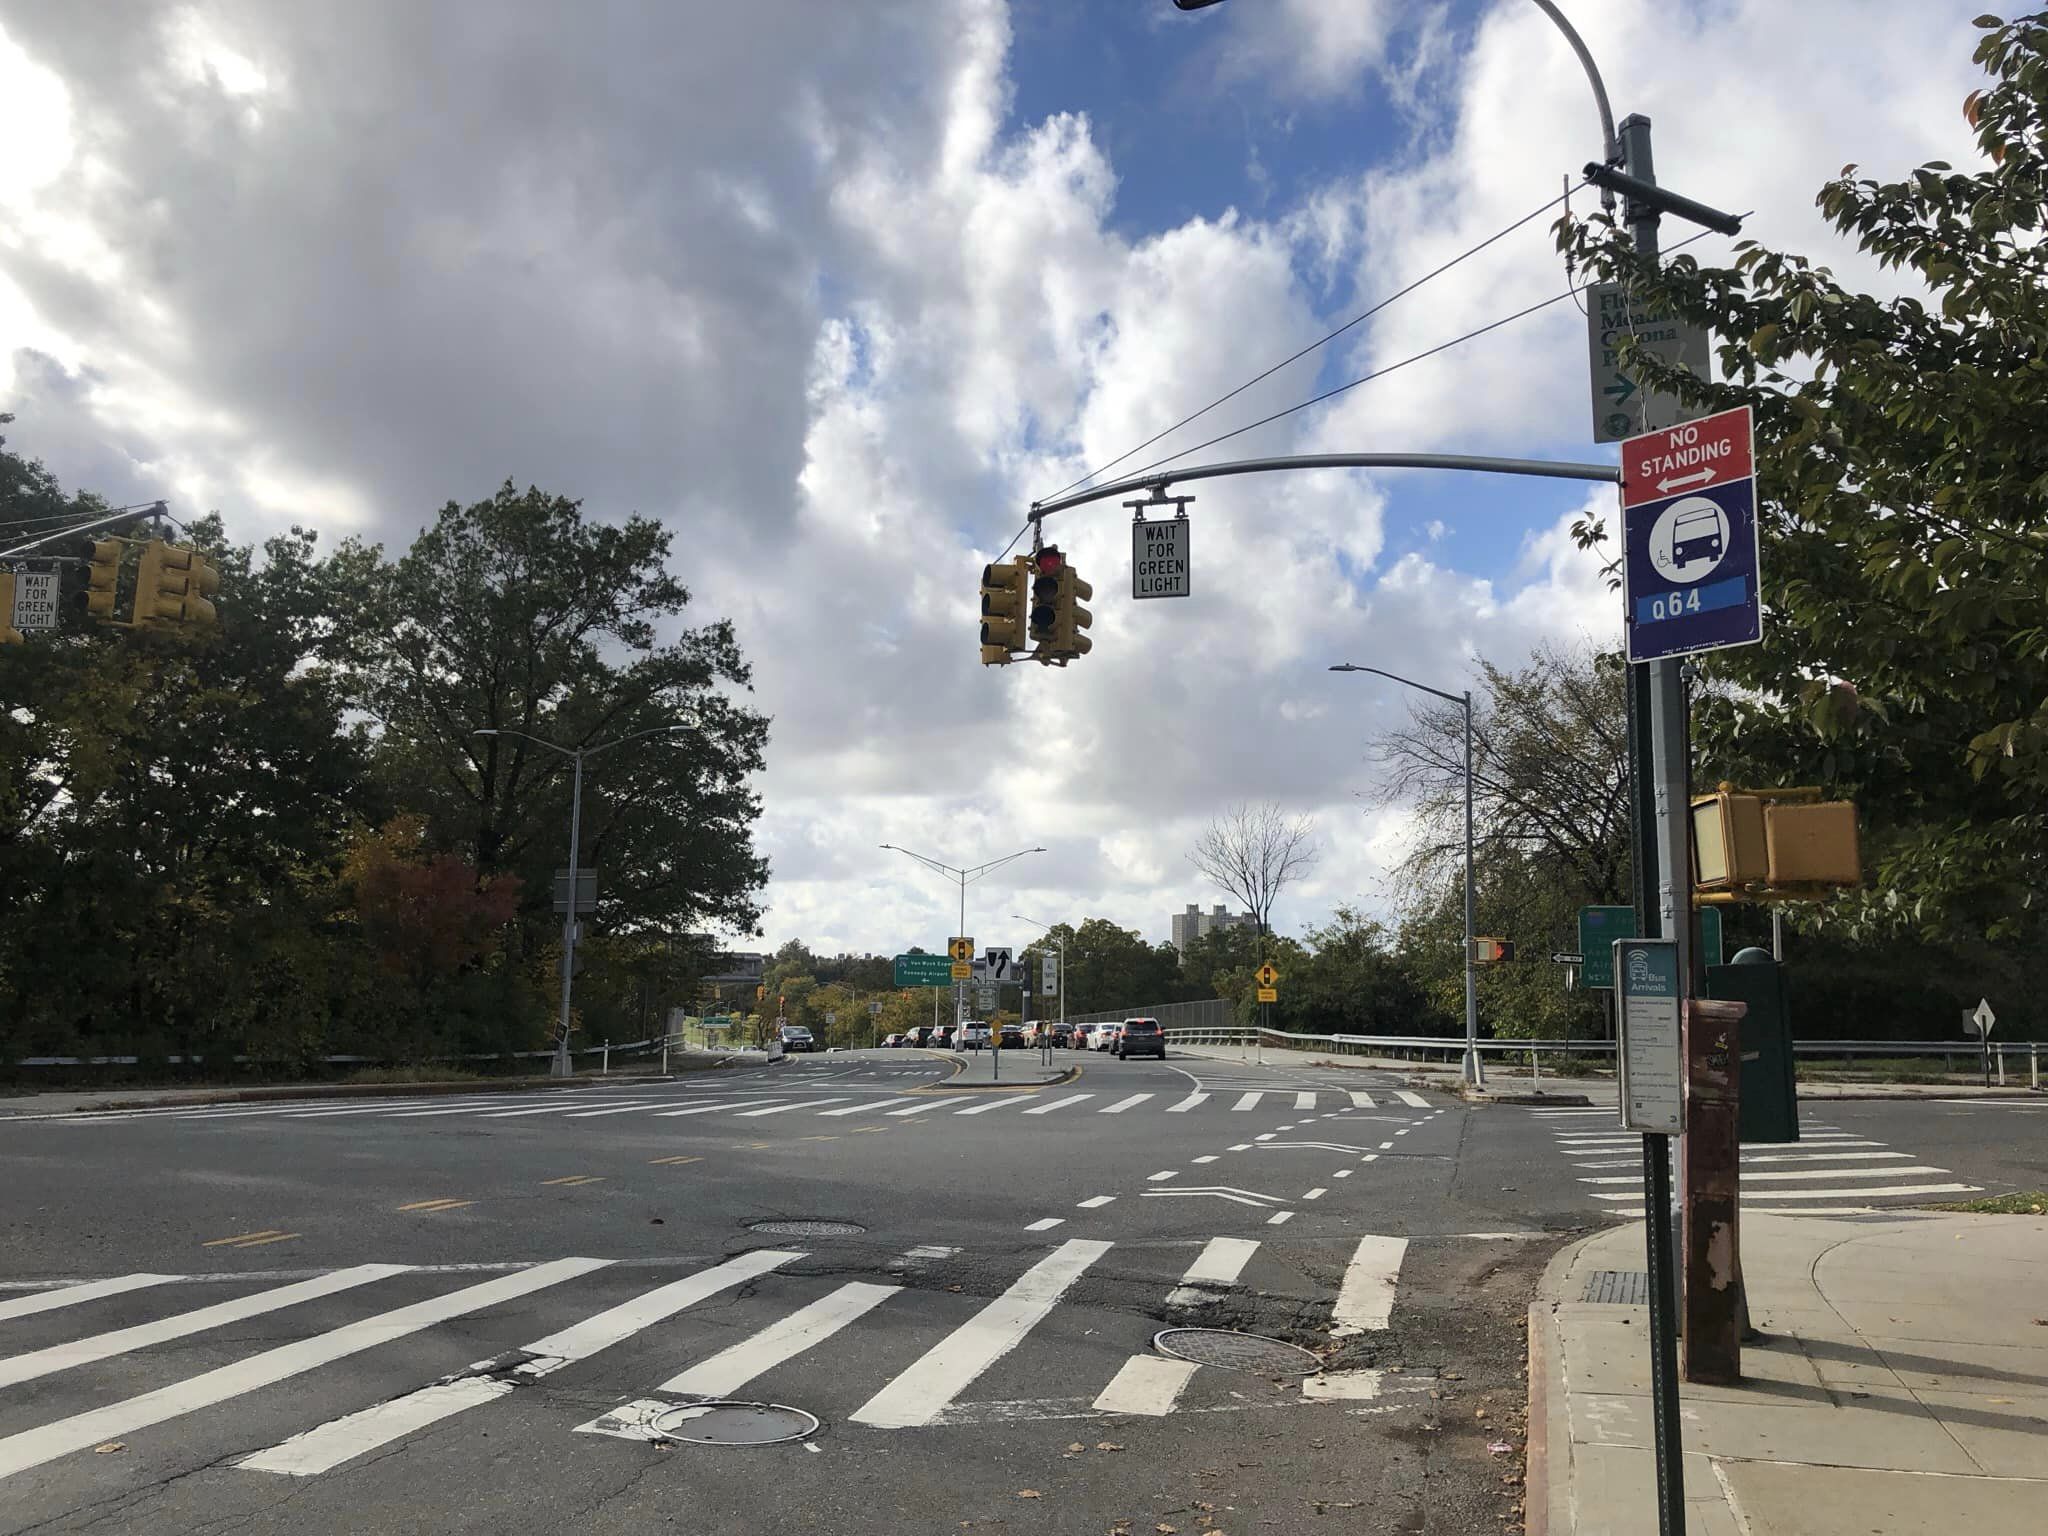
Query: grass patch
x=2025 y=1202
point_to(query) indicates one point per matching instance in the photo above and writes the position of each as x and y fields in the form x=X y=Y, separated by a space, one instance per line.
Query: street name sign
x=35 y=600
x=1599 y=927
x=1652 y=1058
x=1690 y=561
x=923 y=971
x=1621 y=405
x=1159 y=558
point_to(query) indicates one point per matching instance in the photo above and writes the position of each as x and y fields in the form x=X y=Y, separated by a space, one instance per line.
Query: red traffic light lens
x=1049 y=560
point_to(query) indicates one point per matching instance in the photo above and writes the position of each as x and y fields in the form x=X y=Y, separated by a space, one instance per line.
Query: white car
x=1103 y=1037
x=973 y=1036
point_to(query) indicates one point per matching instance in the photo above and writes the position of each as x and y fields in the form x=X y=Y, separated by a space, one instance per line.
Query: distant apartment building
x=1190 y=925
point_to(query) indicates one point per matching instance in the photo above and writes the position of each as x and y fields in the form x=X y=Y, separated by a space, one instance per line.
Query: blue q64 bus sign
x=1688 y=512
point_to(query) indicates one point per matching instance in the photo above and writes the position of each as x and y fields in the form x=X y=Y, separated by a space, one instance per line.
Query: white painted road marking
x=982 y=1109
x=328 y=1445
x=1046 y=1109
x=1249 y=1101
x=1187 y=1103
x=1046 y=1224
x=1147 y=1384
x=1362 y=1100
x=783 y=1109
x=925 y=1390
x=730 y=1369
x=1413 y=1100
x=918 y=1109
x=72 y=1295
x=1123 y=1104
x=1366 y=1298
x=1304 y=1101
x=1095 y=1202
x=33 y=1447
x=103 y=1346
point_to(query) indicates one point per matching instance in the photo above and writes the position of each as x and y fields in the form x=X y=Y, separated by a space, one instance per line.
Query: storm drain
x=723 y=1423
x=1251 y=1352
x=807 y=1228
x=1619 y=1287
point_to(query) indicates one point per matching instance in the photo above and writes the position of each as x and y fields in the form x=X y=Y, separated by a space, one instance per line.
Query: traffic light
x=1003 y=599
x=1766 y=843
x=9 y=635
x=1046 y=565
x=1070 y=617
x=199 y=610
x=1491 y=951
x=103 y=575
x=162 y=577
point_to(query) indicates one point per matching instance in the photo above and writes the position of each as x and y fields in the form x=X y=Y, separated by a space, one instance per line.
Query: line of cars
x=1130 y=1037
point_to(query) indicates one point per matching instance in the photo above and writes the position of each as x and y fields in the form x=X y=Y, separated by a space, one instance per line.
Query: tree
x=1549 y=774
x=1254 y=852
x=1900 y=470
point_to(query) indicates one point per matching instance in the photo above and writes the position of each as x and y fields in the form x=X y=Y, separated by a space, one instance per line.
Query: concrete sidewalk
x=1900 y=1386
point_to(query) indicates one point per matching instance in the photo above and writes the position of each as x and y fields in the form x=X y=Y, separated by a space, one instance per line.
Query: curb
x=1547 y=1500
x=951 y=1086
x=288 y=1092
x=1488 y=1096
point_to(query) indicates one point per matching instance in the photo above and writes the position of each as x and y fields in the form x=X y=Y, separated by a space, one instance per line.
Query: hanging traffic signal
x=199 y=610
x=1070 y=618
x=162 y=577
x=103 y=575
x=1046 y=565
x=9 y=635
x=1003 y=600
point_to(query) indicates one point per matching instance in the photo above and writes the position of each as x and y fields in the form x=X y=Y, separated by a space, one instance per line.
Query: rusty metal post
x=1712 y=1296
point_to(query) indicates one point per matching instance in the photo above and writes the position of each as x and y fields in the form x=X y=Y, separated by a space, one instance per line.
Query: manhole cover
x=735 y=1424
x=807 y=1228
x=1236 y=1351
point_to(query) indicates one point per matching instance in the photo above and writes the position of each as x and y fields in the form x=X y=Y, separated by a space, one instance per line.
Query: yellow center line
x=242 y=1237
x=258 y=1242
x=862 y=1130
x=821 y=1138
x=443 y=1204
x=674 y=1160
x=575 y=1178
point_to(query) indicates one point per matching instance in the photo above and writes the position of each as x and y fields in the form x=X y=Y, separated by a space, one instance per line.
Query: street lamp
x=965 y=877
x=560 y=1067
x=1474 y=1073
x=1061 y=945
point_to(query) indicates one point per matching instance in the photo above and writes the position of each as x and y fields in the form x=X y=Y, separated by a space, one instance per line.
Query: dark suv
x=1141 y=1037
x=795 y=1037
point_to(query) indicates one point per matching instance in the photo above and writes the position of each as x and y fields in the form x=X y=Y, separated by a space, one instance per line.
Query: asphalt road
x=463 y=1314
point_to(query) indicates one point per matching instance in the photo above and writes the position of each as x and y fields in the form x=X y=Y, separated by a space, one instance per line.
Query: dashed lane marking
x=574 y=1179
x=251 y=1239
x=429 y=1206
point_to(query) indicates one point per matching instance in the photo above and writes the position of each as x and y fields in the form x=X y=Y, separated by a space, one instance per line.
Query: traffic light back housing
x=1003 y=600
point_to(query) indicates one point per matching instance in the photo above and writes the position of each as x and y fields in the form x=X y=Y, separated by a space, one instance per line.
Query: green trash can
x=1770 y=1091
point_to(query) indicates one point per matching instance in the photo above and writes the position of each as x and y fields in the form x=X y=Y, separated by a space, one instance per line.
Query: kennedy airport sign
x=1688 y=512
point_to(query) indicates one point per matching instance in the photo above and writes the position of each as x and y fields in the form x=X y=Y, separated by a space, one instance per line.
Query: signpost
x=35 y=600
x=1691 y=562
x=1649 y=1050
x=1620 y=404
x=923 y=971
x=1159 y=557
x=1978 y=1022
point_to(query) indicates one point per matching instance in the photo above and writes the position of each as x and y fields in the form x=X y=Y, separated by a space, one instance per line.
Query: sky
x=837 y=291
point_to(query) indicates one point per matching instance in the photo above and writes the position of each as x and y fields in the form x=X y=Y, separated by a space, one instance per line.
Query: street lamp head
x=1345 y=666
x=1195 y=5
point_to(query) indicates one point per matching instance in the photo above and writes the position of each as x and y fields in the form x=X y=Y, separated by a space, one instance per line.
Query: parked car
x=942 y=1037
x=891 y=1042
x=920 y=1036
x=1104 y=1038
x=1062 y=1034
x=1140 y=1037
x=794 y=1037
x=973 y=1036
x=1012 y=1037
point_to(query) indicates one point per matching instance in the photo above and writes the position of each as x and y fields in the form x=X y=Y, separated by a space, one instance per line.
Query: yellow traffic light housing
x=162 y=578
x=103 y=576
x=1813 y=843
x=1728 y=840
x=1046 y=565
x=9 y=635
x=1003 y=600
x=1070 y=617
x=1773 y=845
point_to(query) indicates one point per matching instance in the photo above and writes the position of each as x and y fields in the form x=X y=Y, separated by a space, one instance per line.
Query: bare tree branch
x=1254 y=852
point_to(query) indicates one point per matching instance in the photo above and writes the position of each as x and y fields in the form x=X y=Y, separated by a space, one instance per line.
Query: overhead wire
x=1357 y=319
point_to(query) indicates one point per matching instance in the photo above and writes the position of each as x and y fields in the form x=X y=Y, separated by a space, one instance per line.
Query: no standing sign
x=1691 y=566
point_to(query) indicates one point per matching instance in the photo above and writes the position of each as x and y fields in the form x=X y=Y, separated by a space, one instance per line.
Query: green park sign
x=924 y=971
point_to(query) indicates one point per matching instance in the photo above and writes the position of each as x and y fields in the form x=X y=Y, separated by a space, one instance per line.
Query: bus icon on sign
x=1697 y=536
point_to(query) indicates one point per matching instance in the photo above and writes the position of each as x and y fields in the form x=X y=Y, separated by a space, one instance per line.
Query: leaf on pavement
x=1167 y=1530
x=1077 y=1446
x=1029 y=1493
x=1107 y=1445
x=107 y=1446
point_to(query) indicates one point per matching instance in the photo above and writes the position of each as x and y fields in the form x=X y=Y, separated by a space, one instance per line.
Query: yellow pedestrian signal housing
x=1492 y=951
x=1773 y=844
x=1728 y=841
x=1003 y=600
x=9 y=635
x=103 y=575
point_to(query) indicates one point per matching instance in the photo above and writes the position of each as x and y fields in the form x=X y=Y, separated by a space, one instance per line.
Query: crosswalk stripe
x=1123 y=1104
x=1865 y=1193
x=1365 y=1299
x=982 y=1109
x=1304 y=1101
x=1820 y=1157
x=328 y=1445
x=1147 y=1384
x=730 y=1369
x=869 y=1106
x=1360 y=1099
x=472 y=1108
x=1792 y=1175
x=32 y=1447
x=1188 y=1103
x=1096 y=1202
x=544 y=1109
x=615 y=1109
x=1249 y=1101
x=1412 y=1100
x=120 y=1341
x=1046 y=1109
x=783 y=1109
x=1221 y=1261
x=918 y=1109
x=710 y=1109
x=72 y=1295
x=924 y=1391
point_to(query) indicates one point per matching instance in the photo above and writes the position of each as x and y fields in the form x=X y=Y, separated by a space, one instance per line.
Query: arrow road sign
x=1981 y=1018
x=1691 y=559
x=1567 y=959
x=1620 y=405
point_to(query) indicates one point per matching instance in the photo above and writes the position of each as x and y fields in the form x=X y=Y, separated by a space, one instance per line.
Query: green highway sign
x=1599 y=927
x=924 y=971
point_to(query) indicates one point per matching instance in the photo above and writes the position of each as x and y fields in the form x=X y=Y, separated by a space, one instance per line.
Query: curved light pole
x=1474 y=1073
x=965 y=877
x=561 y=1066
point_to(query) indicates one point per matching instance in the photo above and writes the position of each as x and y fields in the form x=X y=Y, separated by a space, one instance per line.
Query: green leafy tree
x=1901 y=470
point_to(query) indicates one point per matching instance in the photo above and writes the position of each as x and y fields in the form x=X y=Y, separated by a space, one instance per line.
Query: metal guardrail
x=2020 y=1053
x=241 y=1060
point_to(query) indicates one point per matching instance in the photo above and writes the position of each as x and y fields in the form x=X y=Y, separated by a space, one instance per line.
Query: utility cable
x=1357 y=319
